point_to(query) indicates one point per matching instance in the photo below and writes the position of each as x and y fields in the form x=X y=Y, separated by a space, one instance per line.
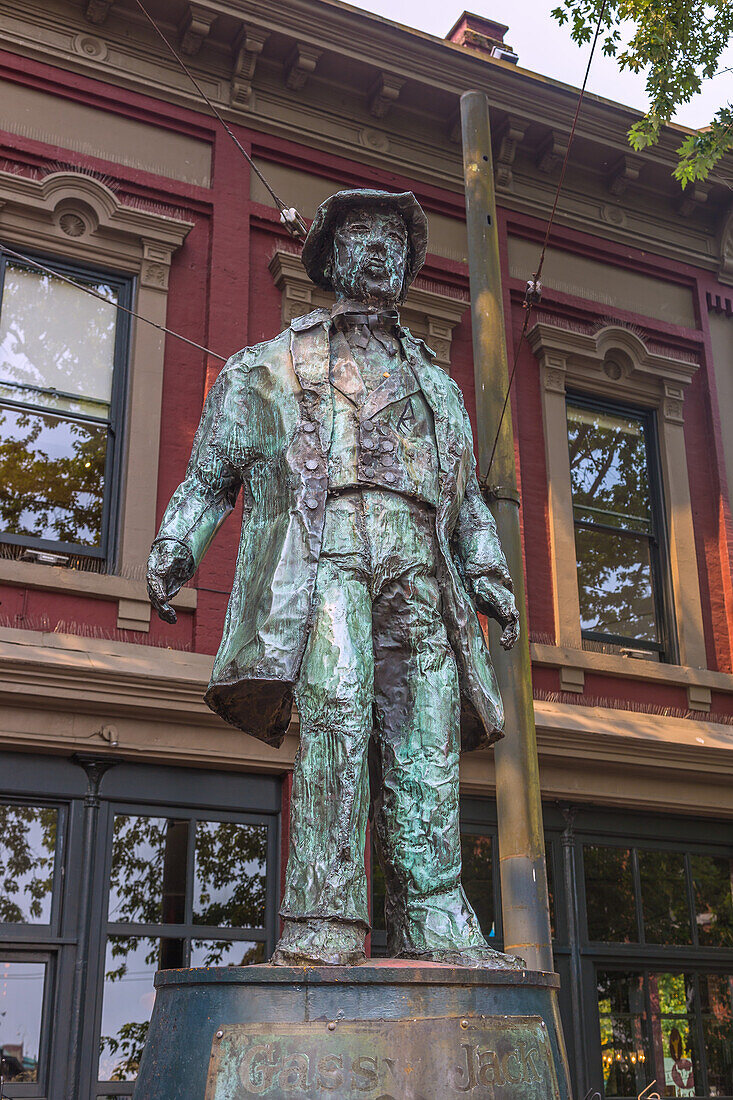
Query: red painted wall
x=222 y=295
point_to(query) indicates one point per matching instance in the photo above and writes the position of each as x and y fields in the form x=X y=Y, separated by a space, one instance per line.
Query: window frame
x=613 y=362
x=641 y=956
x=125 y=285
x=48 y=957
x=658 y=539
x=187 y=931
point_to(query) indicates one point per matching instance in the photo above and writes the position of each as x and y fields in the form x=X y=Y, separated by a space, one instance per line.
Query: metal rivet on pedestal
x=332 y=1026
x=464 y=1024
x=220 y=1034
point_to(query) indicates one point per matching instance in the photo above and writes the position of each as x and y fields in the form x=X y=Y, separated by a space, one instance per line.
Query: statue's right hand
x=169 y=567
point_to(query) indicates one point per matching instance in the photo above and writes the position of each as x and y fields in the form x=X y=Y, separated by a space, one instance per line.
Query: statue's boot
x=487 y=958
x=318 y=942
x=442 y=928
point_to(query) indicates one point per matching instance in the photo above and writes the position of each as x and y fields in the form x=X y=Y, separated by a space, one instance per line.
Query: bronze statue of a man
x=365 y=549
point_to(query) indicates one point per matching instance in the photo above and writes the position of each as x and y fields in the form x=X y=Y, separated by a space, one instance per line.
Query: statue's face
x=369 y=256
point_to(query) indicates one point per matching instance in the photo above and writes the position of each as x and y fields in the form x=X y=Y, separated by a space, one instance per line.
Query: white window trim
x=75 y=216
x=616 y=364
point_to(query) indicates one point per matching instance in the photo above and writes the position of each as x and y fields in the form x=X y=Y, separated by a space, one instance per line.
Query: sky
x=545 y=47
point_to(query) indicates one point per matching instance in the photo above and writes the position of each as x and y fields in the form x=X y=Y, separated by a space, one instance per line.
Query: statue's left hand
x=498 y=602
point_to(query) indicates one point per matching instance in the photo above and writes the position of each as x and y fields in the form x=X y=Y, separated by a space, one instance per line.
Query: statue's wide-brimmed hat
x=318 y=245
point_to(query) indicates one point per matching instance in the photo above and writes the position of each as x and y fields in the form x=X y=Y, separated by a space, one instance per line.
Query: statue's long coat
x=252 y=436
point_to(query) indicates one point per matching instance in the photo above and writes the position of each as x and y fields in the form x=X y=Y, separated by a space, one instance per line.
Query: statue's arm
x=201 y=502
x=484 y=566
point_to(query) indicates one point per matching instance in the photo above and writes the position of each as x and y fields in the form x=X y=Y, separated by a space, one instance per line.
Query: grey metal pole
x=525 y=905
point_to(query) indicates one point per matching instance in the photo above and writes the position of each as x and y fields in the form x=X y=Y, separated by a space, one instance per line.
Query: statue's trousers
x=378 y=686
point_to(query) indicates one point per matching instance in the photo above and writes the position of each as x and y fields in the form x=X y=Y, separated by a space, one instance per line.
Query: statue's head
x=367 y=245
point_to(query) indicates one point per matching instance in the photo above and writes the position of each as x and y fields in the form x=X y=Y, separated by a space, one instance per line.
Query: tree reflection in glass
x=129 y=995
x=27 y=859
x=230 y=878
x=716 y=1006
x=57 y=348
x=52 y=477
x=664 y=897
x=674 y=1041
x=622 y=1017
x=612 y=508
x=712 y=878
x=21 y=1012
x=148 y=874
x=478 y=879
x=609 y=894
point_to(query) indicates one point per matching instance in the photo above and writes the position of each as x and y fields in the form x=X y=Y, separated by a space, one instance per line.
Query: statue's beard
x=363 y=286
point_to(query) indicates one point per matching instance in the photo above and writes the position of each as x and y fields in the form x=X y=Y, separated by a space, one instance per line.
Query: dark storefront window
x=666 y=1012
x=644 y=949
x=618 y=515
x=30 y=839
x=62 y=364
x=183 y=891
x=182 y=870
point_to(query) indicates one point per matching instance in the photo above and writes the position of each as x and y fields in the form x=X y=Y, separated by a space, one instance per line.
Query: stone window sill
x=133 y=607
x=574 y=663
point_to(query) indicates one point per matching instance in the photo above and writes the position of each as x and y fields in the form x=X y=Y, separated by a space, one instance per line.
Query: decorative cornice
x=612 y=360
x=384 y=93
x=78 y=208
x=625 y=171
x=96 y=11
x=249 y=45
x=195 y=27
x=551 y=151
x=300 y=64
x=510 y=136
x=134 y=59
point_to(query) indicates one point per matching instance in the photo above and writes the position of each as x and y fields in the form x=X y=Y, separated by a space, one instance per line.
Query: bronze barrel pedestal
x=386 y=1030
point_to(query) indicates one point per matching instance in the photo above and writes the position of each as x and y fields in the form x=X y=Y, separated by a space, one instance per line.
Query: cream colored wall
x=604 y=284
x=45 y=117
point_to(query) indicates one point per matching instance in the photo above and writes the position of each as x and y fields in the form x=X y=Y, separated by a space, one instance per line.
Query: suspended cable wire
x=95 y=294
x=533 y=292
x=289 y=215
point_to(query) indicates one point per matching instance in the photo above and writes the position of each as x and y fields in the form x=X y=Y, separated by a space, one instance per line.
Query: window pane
x=27 y=857
x=615 y=584
x=664 y=897
x=622 y=1018
x=231 y=875
x=51 y=477
x=378 y=889
x=55 y=336
x=478 y=879
x=226 y=953
x=716 y=997
x=712 y=879
x=550 y=888
x=609 y=894
x=675 y=1057
x=148 y=878
x=608 y=469
x=128 y=997
x=21 y=1009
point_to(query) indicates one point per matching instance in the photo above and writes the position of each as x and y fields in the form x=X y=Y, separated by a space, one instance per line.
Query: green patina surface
x=482 y=1058
x=366 y=547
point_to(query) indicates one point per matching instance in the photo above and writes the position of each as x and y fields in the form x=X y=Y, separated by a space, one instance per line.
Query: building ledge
x=697 y=681
x=133 y=606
